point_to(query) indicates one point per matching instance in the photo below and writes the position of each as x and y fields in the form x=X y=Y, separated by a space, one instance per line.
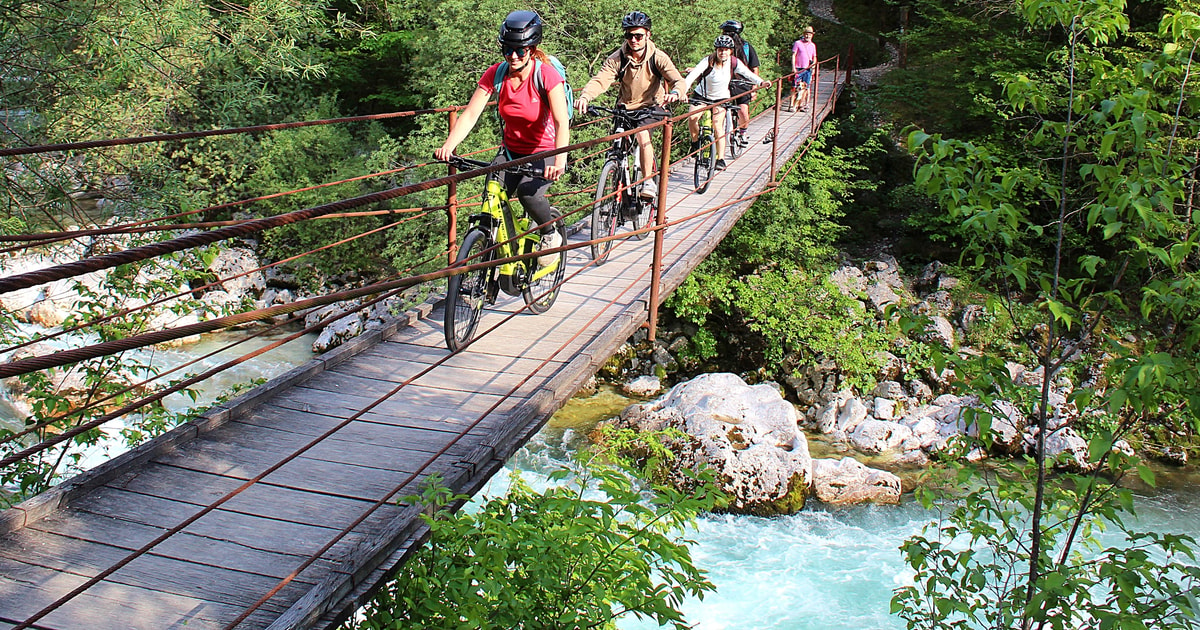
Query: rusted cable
x=218 y=282
x=105 y=261
x=187 y=135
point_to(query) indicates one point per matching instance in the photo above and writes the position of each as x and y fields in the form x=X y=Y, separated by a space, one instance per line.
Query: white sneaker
x=649 y=190
x=550 y=241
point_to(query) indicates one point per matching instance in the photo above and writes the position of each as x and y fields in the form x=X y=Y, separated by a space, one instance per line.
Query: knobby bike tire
x=606 y=213
x=467 y=292
x=706 y=160
x=545 y=281
x=643 y=207
x=735 y=148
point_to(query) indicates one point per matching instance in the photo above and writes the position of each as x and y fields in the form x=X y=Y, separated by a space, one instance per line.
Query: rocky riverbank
x=753 y=436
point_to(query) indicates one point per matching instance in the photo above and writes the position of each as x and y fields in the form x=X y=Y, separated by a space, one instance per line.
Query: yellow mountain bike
x=495 y=234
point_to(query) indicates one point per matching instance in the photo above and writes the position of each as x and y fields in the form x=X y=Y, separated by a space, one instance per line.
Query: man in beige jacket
x=642 y=70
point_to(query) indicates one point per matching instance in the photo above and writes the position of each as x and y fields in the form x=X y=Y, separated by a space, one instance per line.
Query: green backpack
x=502 y=71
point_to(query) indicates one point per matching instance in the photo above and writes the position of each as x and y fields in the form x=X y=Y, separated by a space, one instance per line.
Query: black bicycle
x=496 y=233
x=619 y=196
x=706 y=157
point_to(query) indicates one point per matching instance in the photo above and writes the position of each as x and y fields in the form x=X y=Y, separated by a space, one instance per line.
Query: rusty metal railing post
x=813 y=99
x=775 y=133
x=452 y=204
x=664 y=170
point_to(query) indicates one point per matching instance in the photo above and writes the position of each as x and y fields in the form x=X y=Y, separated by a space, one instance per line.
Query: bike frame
x=496 y=216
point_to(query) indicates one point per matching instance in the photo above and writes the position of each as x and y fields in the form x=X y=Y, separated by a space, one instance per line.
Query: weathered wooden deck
x=323 y=465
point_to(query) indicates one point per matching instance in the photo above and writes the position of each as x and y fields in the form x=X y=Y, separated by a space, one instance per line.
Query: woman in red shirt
x=535 y=115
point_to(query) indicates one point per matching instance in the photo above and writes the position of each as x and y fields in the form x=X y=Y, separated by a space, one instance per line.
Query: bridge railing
x=58 y=427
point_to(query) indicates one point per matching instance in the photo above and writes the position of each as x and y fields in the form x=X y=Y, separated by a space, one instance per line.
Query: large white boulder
x=847 y=481
x=747 y=434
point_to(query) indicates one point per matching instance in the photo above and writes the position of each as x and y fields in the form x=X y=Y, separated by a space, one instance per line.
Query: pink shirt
x=803 y=54
x=528 y=123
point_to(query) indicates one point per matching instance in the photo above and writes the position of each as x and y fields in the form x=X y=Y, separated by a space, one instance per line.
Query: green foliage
x=1094 y=220
x=968 y=566
x=556 y=558
x=760 y=299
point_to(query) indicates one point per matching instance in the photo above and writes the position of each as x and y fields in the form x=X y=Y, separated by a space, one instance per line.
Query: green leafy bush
x=563 y=557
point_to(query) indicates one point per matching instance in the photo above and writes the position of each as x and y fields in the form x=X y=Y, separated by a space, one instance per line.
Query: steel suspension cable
x=219 y=281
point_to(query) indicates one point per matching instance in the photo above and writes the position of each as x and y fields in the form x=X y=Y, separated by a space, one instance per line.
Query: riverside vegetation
x=1051 y=159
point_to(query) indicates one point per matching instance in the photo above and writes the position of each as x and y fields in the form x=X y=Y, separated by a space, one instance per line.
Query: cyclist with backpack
x=745 y=53
x=532 y=102
x=642 y=72
x=711 y=77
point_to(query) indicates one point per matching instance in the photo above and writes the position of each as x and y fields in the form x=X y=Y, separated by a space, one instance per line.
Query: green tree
x=1094 y=225
x=593 y=547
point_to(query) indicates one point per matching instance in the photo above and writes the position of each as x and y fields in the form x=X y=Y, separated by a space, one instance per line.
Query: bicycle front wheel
x=606 y=213
x=546 y=280
x=706 y=160
x=467 y=292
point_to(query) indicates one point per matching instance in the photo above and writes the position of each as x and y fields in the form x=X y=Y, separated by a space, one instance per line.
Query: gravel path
x=863 y=77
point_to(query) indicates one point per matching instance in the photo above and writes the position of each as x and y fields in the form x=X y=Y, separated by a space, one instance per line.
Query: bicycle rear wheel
x=706 y=160
x=643 y=207
x=735 y=147
x=606 y=213
x=467 y=292
x=545 y=281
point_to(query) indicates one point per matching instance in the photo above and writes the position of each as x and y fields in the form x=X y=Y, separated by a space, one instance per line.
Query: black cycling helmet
x=636 y=19
x=732 y=26
x=521 y=29
x=724 y=41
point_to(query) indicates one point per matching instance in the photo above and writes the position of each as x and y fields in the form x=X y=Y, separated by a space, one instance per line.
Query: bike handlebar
x=467 y=164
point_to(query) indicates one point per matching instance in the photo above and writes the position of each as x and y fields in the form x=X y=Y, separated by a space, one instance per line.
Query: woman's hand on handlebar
x=444 y=152
x=554 y=170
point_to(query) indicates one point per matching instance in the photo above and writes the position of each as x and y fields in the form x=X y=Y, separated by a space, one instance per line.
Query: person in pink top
x=534 y=111
x=804 y=59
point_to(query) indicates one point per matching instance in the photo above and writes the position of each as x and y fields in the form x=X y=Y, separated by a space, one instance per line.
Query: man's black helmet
x=732 y=26
x=521 y=29
x=636 y=19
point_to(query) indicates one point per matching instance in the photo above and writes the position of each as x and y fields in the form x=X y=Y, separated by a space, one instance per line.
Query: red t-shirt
x=528 y=123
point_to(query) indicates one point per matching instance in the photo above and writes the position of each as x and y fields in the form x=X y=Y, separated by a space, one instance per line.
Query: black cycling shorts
x=737 y=87
x=648 y=115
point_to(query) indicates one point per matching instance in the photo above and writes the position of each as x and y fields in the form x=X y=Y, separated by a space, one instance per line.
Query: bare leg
x=719 y=131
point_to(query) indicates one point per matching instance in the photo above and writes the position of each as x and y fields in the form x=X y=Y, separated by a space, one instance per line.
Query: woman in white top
x=711 y=78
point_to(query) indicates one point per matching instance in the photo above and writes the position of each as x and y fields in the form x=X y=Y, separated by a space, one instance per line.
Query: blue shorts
x=804 y=77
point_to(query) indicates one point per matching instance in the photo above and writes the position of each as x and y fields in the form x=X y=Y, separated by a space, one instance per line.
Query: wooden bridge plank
x=105 y=606
x=262 y=499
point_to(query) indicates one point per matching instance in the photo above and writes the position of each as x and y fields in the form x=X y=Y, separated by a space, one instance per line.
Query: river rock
x=644 y=386
x=747 y=434
x=847 y=481
x=340 y=331
x=877 y=436
x=881 y=296
x=243 y=263
x=939 y=330
x=1066 y=448
x=849 y=280
x=1174 y=455
x=1008 y=427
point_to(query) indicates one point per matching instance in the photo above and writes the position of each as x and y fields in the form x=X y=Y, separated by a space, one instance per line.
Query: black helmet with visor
x=521 y=29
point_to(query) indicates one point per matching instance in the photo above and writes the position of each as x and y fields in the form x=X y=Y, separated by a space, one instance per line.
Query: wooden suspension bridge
x=280 y=509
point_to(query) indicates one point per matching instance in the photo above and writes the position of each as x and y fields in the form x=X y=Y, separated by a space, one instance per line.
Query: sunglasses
x=635 y=35
x=509 y=51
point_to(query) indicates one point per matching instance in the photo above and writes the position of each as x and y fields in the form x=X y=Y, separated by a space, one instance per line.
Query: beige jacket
x=640 y=87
